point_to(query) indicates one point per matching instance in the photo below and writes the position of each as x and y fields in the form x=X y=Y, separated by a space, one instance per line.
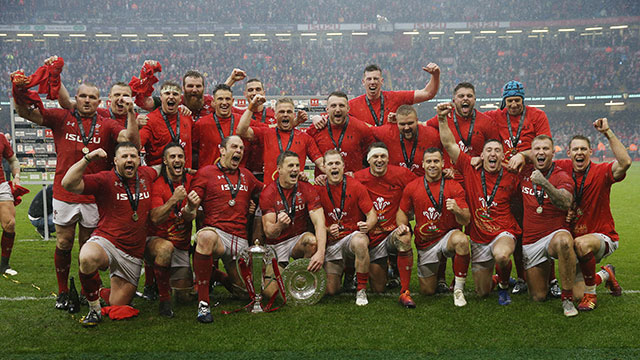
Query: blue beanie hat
x=512 y=88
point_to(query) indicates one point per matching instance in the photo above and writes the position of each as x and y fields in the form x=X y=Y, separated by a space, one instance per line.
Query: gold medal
x=539 y=210
x=85 y=150
x=514 y=151
x=135 y=216
x=232 y=203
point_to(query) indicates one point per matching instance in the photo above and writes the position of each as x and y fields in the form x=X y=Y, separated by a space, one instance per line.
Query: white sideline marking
x=25 y=298
x=36 y=240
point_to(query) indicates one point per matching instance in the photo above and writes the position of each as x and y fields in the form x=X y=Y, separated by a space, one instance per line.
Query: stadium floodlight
x=24 y=34
x=334 y=34
x=567 y=30
x=283 y=34
x=614 y=103
x=129 y=35
x=616 y=27
x=537 y=105
x=533 y=36
x=411 y=33
x=155 y=35
x=231 y=35
x=257 y=34
x=103 y=35
x=436 y=32
x=479 y=37
x=540 y=31
x=462 y=32
x=576 y=105
x=3 y=34
x=51 y=35
x=77 y=35
x=206 y=35
x=180 y=35
x=487 y=31
x=489 y=106
x=308 y=34
x=514 y=31
x=359 y=33
x=593 y=28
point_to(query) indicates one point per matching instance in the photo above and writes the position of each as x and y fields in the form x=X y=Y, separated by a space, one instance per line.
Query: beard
x=193 y=102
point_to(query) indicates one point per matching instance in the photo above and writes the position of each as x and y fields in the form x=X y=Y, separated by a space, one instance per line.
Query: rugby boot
x=612 y=283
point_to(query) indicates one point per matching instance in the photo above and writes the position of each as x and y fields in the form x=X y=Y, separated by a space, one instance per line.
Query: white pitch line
x=36 y=240
x=25 y=298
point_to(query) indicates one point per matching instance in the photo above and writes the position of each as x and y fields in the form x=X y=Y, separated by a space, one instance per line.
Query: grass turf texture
x=334 y=328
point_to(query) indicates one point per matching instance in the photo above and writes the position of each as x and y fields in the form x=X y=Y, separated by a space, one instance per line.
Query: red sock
x=552 y=272
x=442 y=269
x=105 y=293
x=149 y=276
x=96 y=277
x=567 y=294
x=363 y=279
x=7 y=243
x=163 y=273
x=202 y=267
x=588 y=267
x=405 y=264
x=598 y=279
x=503 y=273
x=461 y=265
x=517 y=258
x=62 y=261
x=494 y=281
x=90 y=287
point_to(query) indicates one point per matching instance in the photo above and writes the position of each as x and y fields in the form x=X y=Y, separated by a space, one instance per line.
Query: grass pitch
x=334 y=328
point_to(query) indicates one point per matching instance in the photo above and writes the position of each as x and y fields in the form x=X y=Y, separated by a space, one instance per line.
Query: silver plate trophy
x=303 y=287
x=257 y=257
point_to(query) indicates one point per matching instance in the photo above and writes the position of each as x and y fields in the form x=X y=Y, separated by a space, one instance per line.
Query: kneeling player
x=170 y=235
x=440 y=209
x=288 y=205
x=123 y=196
x=349 y=216
x=226 y=190
x=546 y=196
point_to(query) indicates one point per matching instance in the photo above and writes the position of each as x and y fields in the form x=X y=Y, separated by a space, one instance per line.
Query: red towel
x=143 y=86
x=47 y=77
x=17 y=191
x=119 y=312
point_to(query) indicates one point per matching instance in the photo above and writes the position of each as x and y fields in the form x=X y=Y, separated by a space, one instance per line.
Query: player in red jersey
x=284 y=137
x=226 y=190
x=349 y=216
x=7 y=208
x=288 y=206
x=345 y=133
x=493 y=228
x=76 y=134
x=375 y=105
x=440 y=209
x=592 y=222
x=166 y=125
x=385 y=183
x=406 y=139
x=173 y=210
x=547 y=194
x=123 y=196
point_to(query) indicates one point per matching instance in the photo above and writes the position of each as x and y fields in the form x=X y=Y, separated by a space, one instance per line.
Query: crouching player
x=440 y=209
x=226 y=190
x=173 y=211
x=123 y=196
x=349 y=215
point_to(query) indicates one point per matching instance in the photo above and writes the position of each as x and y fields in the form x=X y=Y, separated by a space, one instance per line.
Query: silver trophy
x=303 y=287
x=257 y=257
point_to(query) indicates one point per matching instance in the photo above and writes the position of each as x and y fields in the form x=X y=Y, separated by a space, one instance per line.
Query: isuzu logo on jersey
x=124 y=196
x=78 y=138
x=529 y=191
x=225 y=187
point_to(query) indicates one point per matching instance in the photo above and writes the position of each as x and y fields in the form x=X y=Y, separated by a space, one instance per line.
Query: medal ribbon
x=489 y=200
x=85 y=139
x=343 y=196
x=514 y=141
x=264 y=115
x=338 y=146
x=467 y=142
x=176 y=209
x=438 y=205
x=133 y=202
x=231 y=130
x=290 y=210
x=280 y=140
x=580 y=190
x=409 y=161
x=540 y=195
x=379 y=121
x=234 y=191
x=175 y=137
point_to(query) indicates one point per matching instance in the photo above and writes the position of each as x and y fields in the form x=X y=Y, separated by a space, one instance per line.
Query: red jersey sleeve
x=259 y=133
x=145 y=135
x=459 y=195
x=158 y=194
x=406 y=205
x=51 y=118
x=312 y=148
x=312 y=198
x=268 y=200
x=7 y=151
x=199 y=182
x=541 y=124
x=93 y=183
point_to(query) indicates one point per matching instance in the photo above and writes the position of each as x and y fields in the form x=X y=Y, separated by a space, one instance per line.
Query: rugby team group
x=481 y=187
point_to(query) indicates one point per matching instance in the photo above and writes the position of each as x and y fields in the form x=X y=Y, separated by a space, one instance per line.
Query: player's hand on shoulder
x=448 y=173
x=516 y=163
x=302 y=176
x=320 y=180
x=319 y=121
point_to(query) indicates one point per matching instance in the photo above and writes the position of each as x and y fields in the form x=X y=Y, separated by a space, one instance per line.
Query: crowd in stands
x=302 y=12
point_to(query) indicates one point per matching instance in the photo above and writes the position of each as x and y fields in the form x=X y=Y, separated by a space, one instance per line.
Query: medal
x=290 y=209
x=233 y=190
x=540 y=194
x=579 y=190
x=437 y=205
x=232 y=203
x=409 y=160
x=176 y=209
x=515 y=139
x=539 y=210
x=86 y=139
x=489 y=199
x=514 y=151
x=343 y=196
x=133 y=200
x=134 y=216
x=85 y=150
